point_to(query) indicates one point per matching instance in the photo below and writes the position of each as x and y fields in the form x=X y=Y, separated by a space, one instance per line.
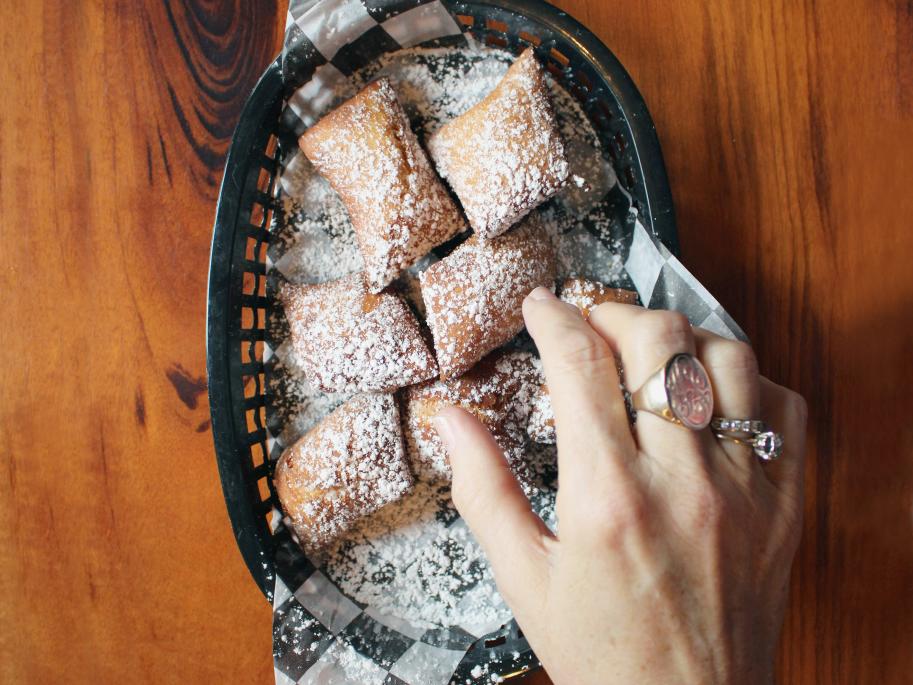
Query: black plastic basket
x=238 y=300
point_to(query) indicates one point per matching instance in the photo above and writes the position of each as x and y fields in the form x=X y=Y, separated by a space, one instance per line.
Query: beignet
x=498 y=391
x=348 y=466
x=349 y=340
x=504 y=156
x=473 y=296
x=398 y=206
x=587 y=295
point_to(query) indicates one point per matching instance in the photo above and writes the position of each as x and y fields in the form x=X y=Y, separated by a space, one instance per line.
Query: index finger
x=591 y=421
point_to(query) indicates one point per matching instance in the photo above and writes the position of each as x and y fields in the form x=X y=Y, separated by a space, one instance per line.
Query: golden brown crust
x=349 y=340
x=399 y=208
x=348 y=466
x=473 y=297
x=504 y=156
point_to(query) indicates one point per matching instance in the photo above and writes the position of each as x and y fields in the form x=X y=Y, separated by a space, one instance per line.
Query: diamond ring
x=766 y=444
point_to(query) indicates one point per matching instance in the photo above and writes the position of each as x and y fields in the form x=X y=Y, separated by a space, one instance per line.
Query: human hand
x=672 y=559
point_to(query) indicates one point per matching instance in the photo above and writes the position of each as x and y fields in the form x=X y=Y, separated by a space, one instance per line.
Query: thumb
x=491 y=501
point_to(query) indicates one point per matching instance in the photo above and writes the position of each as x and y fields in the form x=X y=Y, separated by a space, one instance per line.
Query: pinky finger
x=786 y=412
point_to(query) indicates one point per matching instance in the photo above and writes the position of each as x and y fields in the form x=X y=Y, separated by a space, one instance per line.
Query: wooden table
x=788 y=135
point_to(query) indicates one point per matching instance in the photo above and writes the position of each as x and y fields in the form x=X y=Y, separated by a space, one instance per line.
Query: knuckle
x=665 y=327
x=617 y=517
x=581 y=350
x=736 y=356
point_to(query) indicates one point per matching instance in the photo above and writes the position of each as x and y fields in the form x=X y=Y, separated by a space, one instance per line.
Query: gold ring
x=679 y=391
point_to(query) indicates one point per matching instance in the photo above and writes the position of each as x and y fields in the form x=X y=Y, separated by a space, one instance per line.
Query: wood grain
x=787 y=129
x=118 y=563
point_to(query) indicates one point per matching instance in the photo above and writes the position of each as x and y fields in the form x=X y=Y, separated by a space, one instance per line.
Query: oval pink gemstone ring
x=679 y=391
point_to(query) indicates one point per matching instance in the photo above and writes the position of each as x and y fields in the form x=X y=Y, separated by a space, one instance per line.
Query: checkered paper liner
x=319 y=634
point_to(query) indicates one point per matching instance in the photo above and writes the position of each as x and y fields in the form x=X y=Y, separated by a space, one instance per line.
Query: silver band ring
x=749 y=426
x=679 y=391
x=765 y=443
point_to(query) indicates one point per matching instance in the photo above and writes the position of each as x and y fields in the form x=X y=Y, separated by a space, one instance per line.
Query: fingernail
x=444 y=428
x=541 y=293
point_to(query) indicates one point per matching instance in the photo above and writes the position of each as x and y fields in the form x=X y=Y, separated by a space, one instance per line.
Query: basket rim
x=659 y=214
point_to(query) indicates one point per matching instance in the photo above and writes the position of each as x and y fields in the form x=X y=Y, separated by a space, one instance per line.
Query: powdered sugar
x=541 y=423
x=498 y=391
x=587 y=295
x=322 y=245
x=435 y=86
x=417 y=561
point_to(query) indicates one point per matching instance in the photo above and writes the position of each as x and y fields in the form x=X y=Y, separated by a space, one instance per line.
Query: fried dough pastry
x=498 y=391
x=399 y=208
x=350 y=340
x=587 y=295
x=473 y=296
x=504 y=156
x=348 y=466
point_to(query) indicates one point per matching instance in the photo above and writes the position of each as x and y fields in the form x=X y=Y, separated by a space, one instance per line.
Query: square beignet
x=350 y=340
x=586 y=295
x=498 y=391
x=399 y=208
x=348 y=466
x=504 y=156
x=473 y=296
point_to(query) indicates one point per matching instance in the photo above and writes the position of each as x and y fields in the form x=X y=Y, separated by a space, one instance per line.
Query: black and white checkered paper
x=319 y=634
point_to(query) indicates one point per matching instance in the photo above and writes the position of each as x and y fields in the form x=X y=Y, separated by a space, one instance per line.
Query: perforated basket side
x=236 y=323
